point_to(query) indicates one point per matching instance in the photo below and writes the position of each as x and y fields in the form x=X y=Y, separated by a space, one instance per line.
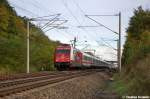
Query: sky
x=88 y=38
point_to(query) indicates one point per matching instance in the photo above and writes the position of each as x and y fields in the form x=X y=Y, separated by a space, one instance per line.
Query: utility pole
x=74 y=42
x=28 y=52
x=118 y=54
x=119 y=43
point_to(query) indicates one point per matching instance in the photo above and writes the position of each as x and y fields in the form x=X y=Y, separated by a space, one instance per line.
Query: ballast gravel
x=83 y=87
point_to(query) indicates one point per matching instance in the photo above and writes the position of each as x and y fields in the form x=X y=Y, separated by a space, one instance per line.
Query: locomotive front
x=62 y=57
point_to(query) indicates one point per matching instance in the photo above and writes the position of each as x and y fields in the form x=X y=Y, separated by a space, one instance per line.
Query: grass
x=119 y=87
x=135 y=81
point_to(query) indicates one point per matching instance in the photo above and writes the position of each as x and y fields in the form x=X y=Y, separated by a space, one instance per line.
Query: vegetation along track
x=23 y=83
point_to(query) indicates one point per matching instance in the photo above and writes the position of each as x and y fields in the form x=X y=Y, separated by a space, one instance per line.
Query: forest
x=13 y=34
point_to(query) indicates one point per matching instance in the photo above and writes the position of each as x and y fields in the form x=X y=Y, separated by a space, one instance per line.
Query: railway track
x=24 y=75
x=22 y=83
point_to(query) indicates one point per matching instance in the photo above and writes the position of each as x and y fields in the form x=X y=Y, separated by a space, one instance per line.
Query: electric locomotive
x=67 y=57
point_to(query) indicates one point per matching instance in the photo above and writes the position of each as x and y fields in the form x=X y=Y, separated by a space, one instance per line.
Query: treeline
x=136 y=54
x=13 y=43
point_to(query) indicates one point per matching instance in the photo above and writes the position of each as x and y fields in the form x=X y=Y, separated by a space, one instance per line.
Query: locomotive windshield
x=63 y=51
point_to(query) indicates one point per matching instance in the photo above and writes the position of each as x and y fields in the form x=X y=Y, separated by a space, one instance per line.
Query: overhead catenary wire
x=43 y=7
x=96 y=21
x=106 y=44
x=50 y=21
x=31 y=3
x=81 y=10
x=53 y=20
x=83 y=14
x=85 y=32
x=70 y=11
x=25 y=10
x=104 y=15
x=101 y=24
x=56 y=26
x=36 y=18
x=79 y=7
x=48 y=25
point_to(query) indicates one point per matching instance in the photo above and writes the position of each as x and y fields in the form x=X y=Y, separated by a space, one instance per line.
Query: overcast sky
x=74 y=11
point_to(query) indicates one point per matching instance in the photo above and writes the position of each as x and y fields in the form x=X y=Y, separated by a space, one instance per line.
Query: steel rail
x=38 y=82
x=30 y=79
x=25 y=75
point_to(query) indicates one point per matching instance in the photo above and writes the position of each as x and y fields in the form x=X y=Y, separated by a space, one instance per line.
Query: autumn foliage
x=136 y=54
x=13 y=43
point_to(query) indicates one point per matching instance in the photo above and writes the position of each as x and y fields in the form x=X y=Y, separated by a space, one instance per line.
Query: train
x=68 y=57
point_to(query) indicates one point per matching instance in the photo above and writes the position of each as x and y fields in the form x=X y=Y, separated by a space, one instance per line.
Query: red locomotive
x=67 y=57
